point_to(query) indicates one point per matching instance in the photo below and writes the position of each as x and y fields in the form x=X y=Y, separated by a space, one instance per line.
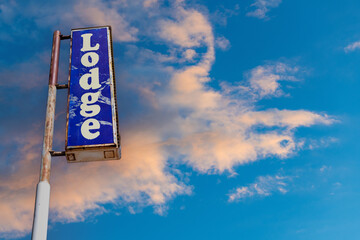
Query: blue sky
x=239 y=119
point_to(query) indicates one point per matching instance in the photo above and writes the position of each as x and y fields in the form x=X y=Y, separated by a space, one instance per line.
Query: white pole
x=41 y=211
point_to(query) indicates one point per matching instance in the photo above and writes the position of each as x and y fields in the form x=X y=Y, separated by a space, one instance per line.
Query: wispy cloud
x=101 y=13
x=262 y=7
x=264 y=80
x=222 y=43
x=66 y=15
x=352 y=47
x=27 y=74
x=262 y=187
x=150 y=3
x=321 y=142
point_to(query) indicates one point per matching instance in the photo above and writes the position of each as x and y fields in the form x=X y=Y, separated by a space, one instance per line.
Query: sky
x=238 y=120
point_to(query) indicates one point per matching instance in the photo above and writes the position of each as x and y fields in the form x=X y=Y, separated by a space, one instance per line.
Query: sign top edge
x=86 y=28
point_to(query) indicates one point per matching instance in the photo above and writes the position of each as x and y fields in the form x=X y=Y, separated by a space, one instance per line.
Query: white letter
x=94 y=80
x=88 y=125
x=89 y=110
x=87 y=43
x=89 y=59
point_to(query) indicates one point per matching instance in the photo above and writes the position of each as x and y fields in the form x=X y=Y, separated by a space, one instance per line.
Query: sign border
x=114 y=112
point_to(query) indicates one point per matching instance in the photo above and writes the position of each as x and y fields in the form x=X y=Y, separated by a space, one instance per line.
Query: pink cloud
x=262 y=7
x=262 y=187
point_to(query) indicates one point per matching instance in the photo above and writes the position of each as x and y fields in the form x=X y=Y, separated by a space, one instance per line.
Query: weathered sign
x=92 y=125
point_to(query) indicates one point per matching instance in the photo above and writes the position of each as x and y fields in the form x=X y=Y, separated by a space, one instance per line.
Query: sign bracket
x=57 y=153
x=64 y=37
x=62 y=86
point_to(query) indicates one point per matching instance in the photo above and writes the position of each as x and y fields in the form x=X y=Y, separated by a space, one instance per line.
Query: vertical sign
x=92 y=126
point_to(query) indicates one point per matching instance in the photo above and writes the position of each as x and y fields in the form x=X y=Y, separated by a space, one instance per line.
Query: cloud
x=98 y=13
x=189 y=54
x=262 y=187
x=65 y=15
x=262 y=7
x=17 y=188
x=169 y=116
x=352 y=47
x=78 y=190
x=222 y=43
x=140 y=177
x=284 y=118
x=222 y=14
x=150 y=3
x=325 y=168
x=217 y=130
x=190 y=29
x=264 y=80
x=320 y=143
x=27 y=74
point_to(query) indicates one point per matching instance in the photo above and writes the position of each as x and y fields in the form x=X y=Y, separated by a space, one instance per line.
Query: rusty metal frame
x=113 y=92
x=116 y=132
x=50 y=110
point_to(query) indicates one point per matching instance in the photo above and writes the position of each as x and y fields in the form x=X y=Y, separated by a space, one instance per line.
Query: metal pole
x=41 y=213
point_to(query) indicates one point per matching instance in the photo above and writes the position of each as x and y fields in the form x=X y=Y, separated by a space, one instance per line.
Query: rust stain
x=50 y=110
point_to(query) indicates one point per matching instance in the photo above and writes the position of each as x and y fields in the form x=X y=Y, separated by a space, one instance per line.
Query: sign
x=92 y=124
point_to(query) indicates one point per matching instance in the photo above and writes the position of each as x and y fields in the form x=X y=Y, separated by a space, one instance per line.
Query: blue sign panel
x=92 y=119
